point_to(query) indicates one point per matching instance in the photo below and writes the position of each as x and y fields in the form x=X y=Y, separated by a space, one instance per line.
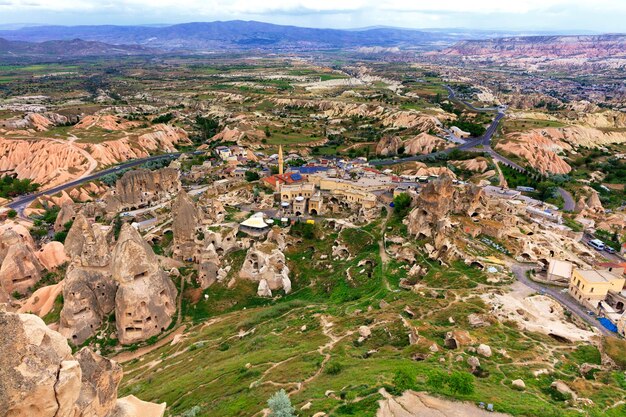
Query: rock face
x=88 y=298
x=388 y=145
x=45 y=380
x=424 y=144
x=210 y=210
x=48 y=383
x=146 y=298
x=265 y=264
x=52 y=255
x=431 y=216
x=184 y=224
x=87 y=243
x=20 y=269
x=66 y=214
x=142 y=187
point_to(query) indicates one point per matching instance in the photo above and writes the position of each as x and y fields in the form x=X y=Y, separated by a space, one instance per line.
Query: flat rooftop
x=593 y=275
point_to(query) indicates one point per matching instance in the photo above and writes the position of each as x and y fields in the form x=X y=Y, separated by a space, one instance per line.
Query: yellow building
x=590 y=287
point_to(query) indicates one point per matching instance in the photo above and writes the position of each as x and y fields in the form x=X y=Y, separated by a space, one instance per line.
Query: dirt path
x=129 y=356
x=502 y=181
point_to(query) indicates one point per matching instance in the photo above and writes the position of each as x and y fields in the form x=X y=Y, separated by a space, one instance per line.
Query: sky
x=553 y=15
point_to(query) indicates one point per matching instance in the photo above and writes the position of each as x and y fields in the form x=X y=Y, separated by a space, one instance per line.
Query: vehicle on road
x=609 y=249
x=596 y=244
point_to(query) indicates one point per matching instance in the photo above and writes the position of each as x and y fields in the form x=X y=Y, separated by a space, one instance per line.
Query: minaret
x=280 y=160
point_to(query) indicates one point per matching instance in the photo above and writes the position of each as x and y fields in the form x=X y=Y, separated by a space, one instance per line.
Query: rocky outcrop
x=39 y=377
x=52 y=255
x=66 y=215
x=86 y=244
x=210 y=209
x=265 y=264
x=142 y=187
x=539 y=149
x=146 y=298
x=424 y=144
x=388 y=146
x=435 y=204
x=88 y=299
x=20 y=269
x=46 y=162
x=184 y=224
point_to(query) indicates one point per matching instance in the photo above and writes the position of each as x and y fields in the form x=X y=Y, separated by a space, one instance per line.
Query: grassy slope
x=232 y=363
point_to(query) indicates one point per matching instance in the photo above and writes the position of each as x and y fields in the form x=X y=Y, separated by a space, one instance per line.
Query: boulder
x=474 y=362
x=564 y=389
x=365 y=332
x=484 y=350
x=264 y=289
x=39 y=377
x=146 y=298
x=100 y=380
x=518 y=383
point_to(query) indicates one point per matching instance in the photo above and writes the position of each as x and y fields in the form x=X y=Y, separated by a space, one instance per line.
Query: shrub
x=403 y=381
x=333 y=368
x=280 y=405
x=12 y=214
x=461 y=382
x=252 y=176
x=436 y=379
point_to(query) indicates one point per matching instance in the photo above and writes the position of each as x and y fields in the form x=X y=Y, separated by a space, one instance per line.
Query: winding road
x=473 y=145
x=19 y=204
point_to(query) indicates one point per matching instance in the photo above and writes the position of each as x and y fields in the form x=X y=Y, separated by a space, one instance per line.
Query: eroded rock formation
x=142 y=187
x=146 y=298
x=265 y=264
x=39 y=377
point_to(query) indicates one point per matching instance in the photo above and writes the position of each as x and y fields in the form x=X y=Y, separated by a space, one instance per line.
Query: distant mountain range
x=578 y=46
x=245 y=35
x=67 y=48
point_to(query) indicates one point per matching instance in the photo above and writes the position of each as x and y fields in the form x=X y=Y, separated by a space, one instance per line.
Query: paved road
x=569 y=203
x=20 y=203
x=555 y=292
x=470 y=145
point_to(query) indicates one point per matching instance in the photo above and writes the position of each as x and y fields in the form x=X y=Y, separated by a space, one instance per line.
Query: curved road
x=470 y=145
x=564 y=298
x=20 y=203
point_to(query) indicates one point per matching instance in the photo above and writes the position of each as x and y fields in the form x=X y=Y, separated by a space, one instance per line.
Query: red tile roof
x=284 y=179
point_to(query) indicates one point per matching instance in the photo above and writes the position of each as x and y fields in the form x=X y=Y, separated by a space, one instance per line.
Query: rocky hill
x=585 y=46
x=68 y=48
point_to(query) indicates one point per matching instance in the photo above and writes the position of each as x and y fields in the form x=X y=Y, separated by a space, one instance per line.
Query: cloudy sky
x=557 y=15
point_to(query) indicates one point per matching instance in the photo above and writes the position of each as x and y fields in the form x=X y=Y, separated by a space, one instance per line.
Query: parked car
x=609 y=249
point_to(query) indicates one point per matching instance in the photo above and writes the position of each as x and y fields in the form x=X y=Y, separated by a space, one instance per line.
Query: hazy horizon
x=603 y=16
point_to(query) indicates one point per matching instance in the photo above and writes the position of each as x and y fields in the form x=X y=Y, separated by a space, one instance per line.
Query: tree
x=12 y=214
x=267 y=132
x=461 y=382
x=207 y=126
x=401 y=204
x=252 y=176
x=280 y=405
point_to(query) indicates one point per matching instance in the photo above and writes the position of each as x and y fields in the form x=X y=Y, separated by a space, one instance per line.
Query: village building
x=591 y=287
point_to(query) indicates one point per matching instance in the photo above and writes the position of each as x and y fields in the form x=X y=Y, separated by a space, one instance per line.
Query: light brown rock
x=146 y=298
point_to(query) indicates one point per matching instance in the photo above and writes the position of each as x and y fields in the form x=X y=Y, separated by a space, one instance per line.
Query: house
x=559 y=270
x=283 y=179
x=591 y=287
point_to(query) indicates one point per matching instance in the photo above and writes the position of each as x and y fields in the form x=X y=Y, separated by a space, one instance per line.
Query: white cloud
x=600 y=14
